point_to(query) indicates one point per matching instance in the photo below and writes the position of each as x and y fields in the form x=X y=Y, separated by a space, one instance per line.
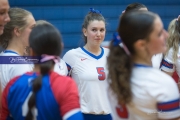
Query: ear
x=31 y=52
x=140 y=45
x=84 y=31
x=62 y=46
x=16 y=32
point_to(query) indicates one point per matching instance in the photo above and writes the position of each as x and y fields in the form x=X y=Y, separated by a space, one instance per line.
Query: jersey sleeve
x=4 y=111
x=13 y=71
x=168 y=64
x=17 y=70
x=156 y=60
x=70 y=60
x=166 y=94
x=67 y=97
x=61 y=68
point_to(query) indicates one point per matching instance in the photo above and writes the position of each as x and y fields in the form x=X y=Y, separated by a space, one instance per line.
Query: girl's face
x=157 y=39
x=27 y=30
x=4 y=16
x=95 y=32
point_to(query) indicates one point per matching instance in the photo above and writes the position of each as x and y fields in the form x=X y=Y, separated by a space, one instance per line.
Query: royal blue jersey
x=57 y=98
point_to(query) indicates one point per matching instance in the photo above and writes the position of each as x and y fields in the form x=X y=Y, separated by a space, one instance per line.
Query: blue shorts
x=97 y=117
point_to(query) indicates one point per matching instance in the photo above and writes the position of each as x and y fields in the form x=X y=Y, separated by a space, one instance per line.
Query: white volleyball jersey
x=168 y=63
x=90 y=73
x=156 y=60
x=9 y=71
x=61 y=68
x=154 y=96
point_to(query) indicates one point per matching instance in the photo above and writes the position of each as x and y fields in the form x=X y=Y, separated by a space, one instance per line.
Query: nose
x=7 y=18
x=98 y=33
x=166 y=34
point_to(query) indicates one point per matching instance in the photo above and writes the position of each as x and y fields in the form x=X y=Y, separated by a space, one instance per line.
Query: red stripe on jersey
x=166 y=64
x=175 y=77
x=168 y=106
x=65 y=92
x=4 y=112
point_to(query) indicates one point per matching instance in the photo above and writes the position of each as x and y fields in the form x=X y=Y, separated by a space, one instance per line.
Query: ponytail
x=45 y=68
x=120 y=68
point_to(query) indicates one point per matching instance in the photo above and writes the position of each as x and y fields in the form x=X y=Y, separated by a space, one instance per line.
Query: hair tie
x=46 y=57
x=94 y=11
x=117 y=41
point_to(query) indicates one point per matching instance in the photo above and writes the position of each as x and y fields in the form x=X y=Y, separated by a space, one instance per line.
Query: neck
x=37 y=68
x=16 y=47
x=96 y=50
x=142 y=60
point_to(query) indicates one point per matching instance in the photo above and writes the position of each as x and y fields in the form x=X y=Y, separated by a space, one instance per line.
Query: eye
x=94 y=30
x=2 y=13
x=102 y=30
x=160 y=33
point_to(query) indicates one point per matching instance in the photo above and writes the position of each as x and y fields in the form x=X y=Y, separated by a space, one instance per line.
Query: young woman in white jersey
x=171 y=61
x=156 y=59
x=4 y=18
x=15 y=41
x=87 y=66
x=148 y=93
x=59 y=67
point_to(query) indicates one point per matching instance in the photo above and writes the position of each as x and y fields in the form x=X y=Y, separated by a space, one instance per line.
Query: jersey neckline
x=92 y=55
x=141 y=65
x=10 y=51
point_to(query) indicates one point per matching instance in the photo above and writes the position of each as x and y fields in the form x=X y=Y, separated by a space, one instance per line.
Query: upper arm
x=70 y=60
x=4 y=111
x=61 y=68
x=168 y=64
x=169 y=73
x=67 y=97
x=168 y=100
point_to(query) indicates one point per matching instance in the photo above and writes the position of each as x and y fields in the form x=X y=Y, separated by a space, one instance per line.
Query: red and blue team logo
x=122 y=112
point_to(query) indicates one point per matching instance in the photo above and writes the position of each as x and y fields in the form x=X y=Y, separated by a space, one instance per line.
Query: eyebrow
x=100 y=27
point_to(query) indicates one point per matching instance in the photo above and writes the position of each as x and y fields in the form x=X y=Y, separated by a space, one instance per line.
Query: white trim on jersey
x=70 y=113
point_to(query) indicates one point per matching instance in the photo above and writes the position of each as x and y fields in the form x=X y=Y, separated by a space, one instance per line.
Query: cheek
x=158 y=45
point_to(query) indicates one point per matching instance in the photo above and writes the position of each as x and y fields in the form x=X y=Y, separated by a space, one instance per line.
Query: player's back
x=155 y=95
x=57 y=96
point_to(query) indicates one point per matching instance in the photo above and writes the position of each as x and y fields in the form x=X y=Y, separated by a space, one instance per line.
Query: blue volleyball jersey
x=57 y=99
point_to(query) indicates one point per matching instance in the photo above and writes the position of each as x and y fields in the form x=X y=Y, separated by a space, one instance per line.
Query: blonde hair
x=18 y=18
x=174 y=37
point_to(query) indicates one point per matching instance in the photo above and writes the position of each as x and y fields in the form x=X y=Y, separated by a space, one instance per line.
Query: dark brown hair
x=44 y=39
x=133 y=26
x=134 y=6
